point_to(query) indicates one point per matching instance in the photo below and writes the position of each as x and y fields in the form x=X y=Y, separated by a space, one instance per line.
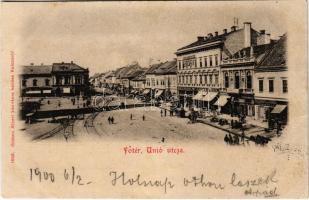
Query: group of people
x=110 y=120
x=131 y=117
x=165 y=112
x=229 y=139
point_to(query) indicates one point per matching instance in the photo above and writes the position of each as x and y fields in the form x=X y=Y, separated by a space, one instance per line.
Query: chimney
x=247 y=34
x=42 y=64
x=216 y=33
x=200 y=38
x=225 y=31
x=262 y=32
x=210 y=35
x=31 y=64
x=233 y=28
x=72 y=62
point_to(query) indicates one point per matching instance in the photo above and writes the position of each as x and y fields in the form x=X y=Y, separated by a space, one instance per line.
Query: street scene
x=228 y=87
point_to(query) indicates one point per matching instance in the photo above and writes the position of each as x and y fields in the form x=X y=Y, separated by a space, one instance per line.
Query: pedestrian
x=112 y=120
x=230 y=138
x=144 y=117
x=131 y=116
x=165 y=112
x=161 y=113
x=243 y=135
x=109 y=119
x=226 y=139
x=163 y=139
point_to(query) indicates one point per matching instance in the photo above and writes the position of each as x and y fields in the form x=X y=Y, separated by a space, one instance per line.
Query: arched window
x=34 y=82
x=249 y=80
x=236 y=80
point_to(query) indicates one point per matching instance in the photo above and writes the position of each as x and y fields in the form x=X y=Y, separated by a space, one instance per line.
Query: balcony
x=238 y=60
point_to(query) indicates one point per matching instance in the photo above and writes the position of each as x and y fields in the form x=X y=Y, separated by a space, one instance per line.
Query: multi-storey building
x=36 y=80
x=161 y=80
x=237 y=80
x=199 y=63
x=271 y=84
x=57 y=79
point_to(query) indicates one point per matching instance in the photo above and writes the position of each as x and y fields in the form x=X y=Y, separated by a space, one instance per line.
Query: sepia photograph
x=155 y=99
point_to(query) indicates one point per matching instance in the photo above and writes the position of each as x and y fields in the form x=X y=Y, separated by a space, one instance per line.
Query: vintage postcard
x=154 y=99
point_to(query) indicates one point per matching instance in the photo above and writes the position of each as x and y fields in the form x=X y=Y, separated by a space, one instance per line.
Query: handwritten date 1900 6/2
x=69 y=175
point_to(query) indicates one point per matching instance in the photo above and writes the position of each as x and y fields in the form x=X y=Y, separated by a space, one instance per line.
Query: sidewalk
x=251 y=128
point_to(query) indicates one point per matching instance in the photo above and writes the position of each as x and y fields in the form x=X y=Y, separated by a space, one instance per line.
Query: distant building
x=58 y=79
x=161 y=80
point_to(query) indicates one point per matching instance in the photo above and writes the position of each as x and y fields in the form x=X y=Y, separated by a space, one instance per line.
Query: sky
x=106 y=35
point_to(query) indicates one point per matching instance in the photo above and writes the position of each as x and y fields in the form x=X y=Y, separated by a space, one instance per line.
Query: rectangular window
x=271 y=85
x=261 y=85
x=216 y=60
x=201 y=79
x=210 y=77
x=24 y=83
x=284 y=86
x=205 y=60
x=201 y=63
x=216 y=79
x=210 y=61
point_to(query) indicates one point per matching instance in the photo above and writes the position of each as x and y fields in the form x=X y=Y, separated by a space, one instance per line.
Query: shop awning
x=223 y=99
x=33 y=92
x=146 y=91
x=210 y=96
x=278 y=109
x=199 y=96
x=158 y=93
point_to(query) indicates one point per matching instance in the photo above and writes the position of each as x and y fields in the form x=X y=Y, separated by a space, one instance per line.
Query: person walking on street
x=243 y=135
x=131 y=116
x=161 y=113
x=109 y=119
x=112 y=120
x=144 y=117
x=165 y=112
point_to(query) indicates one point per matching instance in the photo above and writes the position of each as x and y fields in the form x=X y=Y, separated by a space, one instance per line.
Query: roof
x=152 y=68
x=221 y=38
x=67 y=67
x=37 y=69
x=141 y=76
x=276 y=56
x=169 y=67
x=128 y=71
x=109 y=74
x=96 y=75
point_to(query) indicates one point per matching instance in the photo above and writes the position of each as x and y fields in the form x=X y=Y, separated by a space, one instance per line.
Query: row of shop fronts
x=236 y=105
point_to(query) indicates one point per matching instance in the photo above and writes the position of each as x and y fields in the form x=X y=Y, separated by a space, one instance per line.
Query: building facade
x=199 y=63
x=271 y=85
x=58 y=79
